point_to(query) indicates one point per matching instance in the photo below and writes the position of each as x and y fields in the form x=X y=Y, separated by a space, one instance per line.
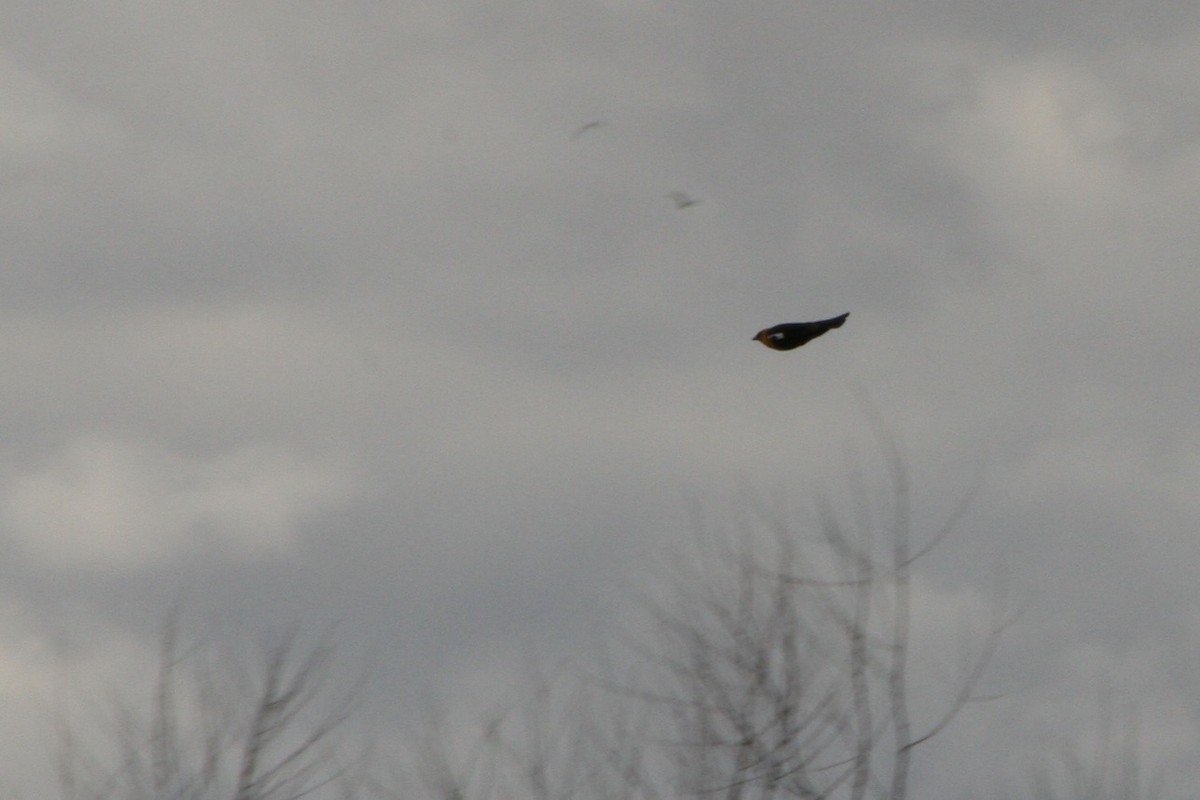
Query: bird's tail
x=836 y=322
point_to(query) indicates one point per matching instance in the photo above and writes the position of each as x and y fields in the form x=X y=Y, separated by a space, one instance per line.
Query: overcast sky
x=317 y=311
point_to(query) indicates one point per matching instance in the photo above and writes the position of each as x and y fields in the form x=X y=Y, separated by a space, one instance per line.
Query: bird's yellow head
x=764 y=336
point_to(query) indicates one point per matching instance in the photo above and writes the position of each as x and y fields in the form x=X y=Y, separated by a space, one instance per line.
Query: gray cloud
x=338 y=280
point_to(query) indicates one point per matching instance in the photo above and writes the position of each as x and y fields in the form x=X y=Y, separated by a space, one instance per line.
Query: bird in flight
x=581 y=130
x=682 y=201
x=791 y=335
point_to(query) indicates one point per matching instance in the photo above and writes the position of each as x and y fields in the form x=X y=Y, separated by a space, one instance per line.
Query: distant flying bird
x=580 y=131
x=682 y=201
x=791 y=335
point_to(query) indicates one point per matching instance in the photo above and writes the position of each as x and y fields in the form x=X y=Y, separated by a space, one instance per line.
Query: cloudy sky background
x=317 y=312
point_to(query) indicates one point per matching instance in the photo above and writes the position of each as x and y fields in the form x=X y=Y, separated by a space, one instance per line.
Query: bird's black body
x=791 y=335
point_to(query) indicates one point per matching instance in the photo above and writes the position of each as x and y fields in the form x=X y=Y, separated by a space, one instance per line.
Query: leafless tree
x=214 y=731
x=1110 y=768
x=774 y=662
x=782 y=665
x=565 y=740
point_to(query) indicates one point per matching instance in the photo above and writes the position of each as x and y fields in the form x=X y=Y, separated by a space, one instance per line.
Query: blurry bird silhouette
x=682 y=201
x=581 y=130
x=791 y=335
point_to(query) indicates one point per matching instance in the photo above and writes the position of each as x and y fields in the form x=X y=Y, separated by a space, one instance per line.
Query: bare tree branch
x=208 y=736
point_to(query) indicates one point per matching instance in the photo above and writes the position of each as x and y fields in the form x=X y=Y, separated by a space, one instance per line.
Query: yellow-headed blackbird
x=791 y=335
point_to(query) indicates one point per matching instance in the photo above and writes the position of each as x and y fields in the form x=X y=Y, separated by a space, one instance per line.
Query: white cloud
x=102 y=501
x=1036 y=130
